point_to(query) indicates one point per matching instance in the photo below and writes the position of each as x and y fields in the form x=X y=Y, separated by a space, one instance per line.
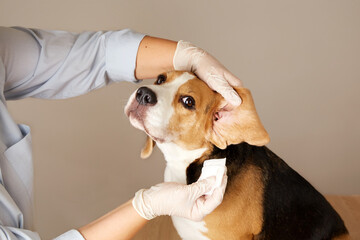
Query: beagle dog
x=264 y=197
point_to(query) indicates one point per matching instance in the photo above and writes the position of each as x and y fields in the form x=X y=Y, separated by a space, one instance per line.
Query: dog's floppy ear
x=148 y=148
x=233 y=125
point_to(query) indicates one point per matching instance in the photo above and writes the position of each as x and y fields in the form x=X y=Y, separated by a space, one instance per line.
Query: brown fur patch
x=342 y=237
x=242 y=205
x=192 y=125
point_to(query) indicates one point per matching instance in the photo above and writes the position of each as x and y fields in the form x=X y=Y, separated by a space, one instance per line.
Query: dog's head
x=181 y=109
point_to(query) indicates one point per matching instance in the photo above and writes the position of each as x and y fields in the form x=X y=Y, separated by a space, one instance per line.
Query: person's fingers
x=232 y=97
x=191 y=58
x=203 y=186
x=213 y=201
x=205 y=204
x=219 y=84
x=232 y=80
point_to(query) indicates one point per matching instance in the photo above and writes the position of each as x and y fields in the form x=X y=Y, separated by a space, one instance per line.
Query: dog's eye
x=188 y=102
x=160 y=79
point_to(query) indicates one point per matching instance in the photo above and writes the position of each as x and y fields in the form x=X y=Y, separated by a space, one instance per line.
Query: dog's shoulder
x=292 y=206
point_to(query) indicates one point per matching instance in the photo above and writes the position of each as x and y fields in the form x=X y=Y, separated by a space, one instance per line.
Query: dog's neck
x=177 y=160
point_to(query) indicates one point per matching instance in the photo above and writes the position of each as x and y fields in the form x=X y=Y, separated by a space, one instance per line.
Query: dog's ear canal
x=233 y=125
x=148 y=148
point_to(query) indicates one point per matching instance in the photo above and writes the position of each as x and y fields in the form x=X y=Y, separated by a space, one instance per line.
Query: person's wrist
x=154 y=56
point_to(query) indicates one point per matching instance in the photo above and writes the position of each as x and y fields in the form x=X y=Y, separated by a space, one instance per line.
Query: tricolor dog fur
x=264 y=197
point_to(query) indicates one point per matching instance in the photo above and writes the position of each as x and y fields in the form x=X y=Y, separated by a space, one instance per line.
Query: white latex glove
x=191 y=58
x=176 y=199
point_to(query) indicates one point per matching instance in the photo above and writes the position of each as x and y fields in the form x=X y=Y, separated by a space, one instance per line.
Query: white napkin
x=213 y=167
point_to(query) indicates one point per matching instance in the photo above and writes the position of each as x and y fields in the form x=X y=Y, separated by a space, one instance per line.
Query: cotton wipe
x=213 y=167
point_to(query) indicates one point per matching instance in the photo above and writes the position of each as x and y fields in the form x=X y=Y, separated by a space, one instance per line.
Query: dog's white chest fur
x=177 y=160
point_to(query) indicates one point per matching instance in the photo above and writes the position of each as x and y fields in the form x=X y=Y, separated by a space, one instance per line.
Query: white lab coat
x=52 y=65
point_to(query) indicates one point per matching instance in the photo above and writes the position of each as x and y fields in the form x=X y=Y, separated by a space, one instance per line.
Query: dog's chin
x=153 y=136
x=139 y=124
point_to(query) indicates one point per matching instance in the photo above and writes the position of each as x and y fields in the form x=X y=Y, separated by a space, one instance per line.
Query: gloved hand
x=176 y=199
x=188 y=57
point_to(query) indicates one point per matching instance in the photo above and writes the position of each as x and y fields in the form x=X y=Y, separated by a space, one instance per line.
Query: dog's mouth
x=137 y=115
x=131 y=108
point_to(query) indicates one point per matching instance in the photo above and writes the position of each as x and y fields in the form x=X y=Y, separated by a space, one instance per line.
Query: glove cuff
x=140 y=205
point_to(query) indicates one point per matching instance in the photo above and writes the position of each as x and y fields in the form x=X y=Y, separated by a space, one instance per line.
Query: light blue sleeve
x=53 y=65
x=59 y=64
x=10 y=233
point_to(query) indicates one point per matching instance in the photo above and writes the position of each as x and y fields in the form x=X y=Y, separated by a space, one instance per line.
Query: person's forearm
x=155 y=55
x=121 y=224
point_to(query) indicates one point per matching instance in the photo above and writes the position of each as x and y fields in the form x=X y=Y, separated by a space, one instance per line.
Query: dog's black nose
x=145 y=96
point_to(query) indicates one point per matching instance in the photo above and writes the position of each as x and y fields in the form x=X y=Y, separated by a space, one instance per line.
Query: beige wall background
x=301 y=59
